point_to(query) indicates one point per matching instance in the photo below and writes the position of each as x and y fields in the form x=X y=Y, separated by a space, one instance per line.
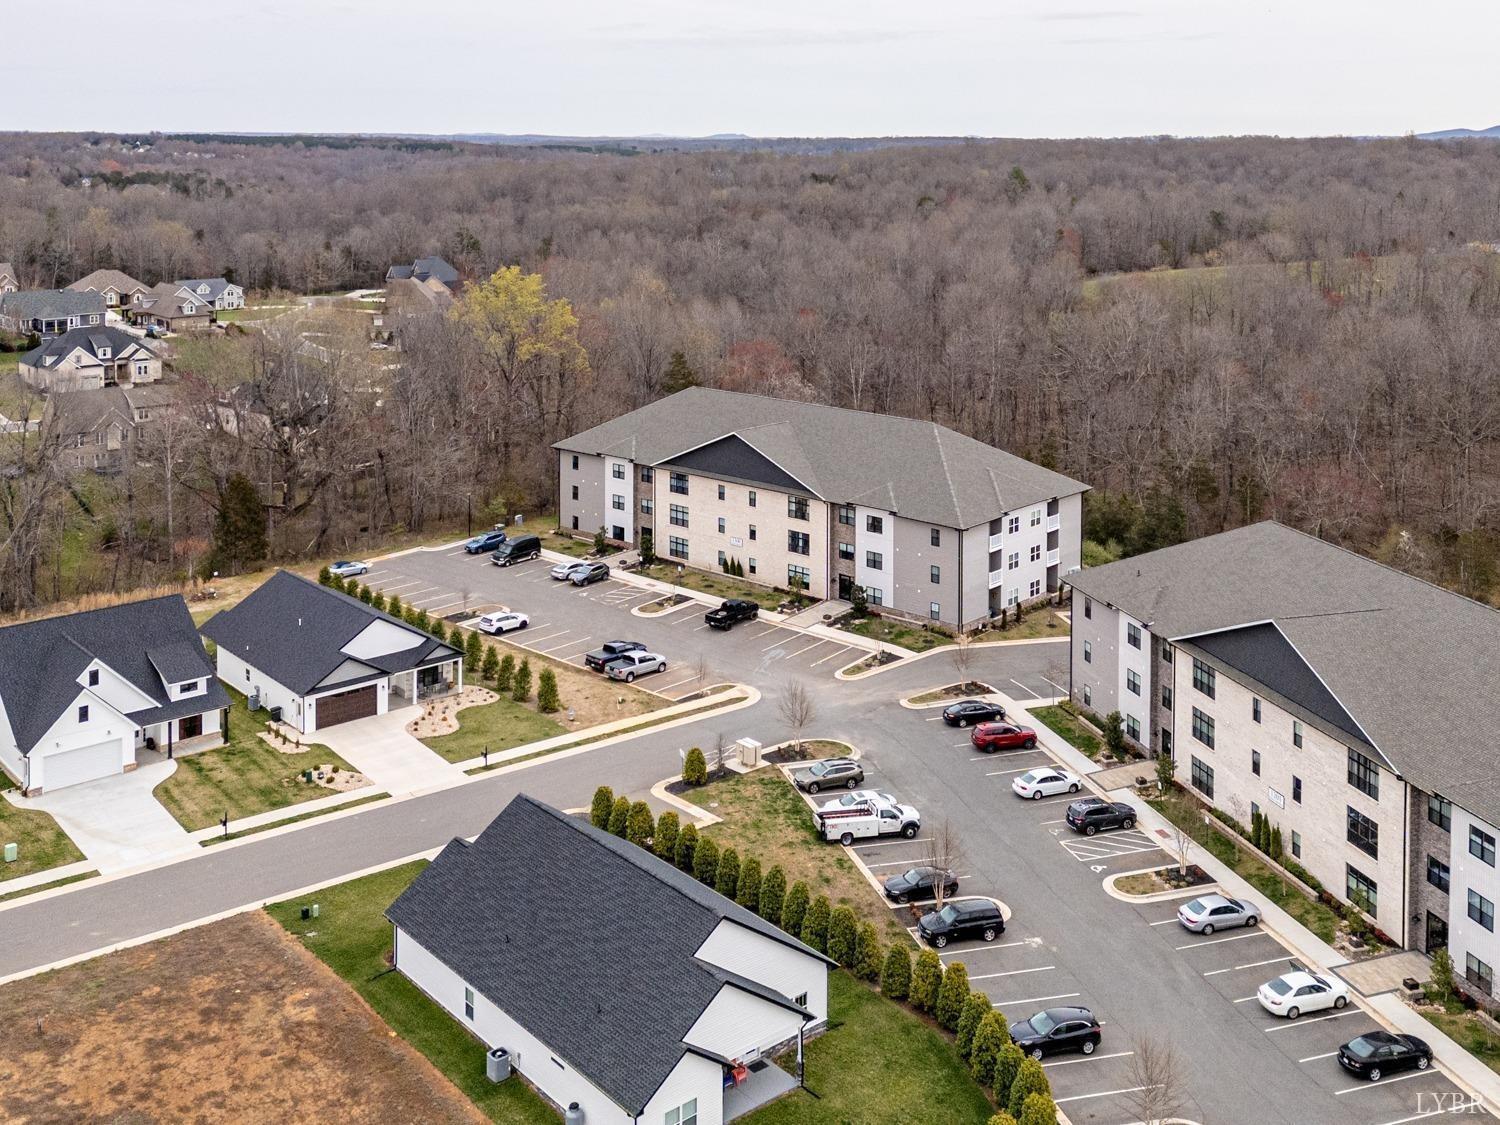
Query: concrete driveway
x=393 y=760
x=115 y=821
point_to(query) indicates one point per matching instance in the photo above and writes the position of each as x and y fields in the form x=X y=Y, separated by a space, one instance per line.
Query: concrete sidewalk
x=393 y=760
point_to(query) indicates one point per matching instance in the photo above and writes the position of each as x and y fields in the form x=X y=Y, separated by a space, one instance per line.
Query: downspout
x=1405 y=862
x=960 y=582
x=801 y=1074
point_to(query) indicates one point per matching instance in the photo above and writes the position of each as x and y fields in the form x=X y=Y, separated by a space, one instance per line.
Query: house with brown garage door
x=315 y=657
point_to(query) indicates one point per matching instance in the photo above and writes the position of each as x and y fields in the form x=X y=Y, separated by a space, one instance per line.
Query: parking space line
x=766 y=632
x=1244 y=999
x=1105 y=1093
x=1382 y=1082
x=1090 y=1058
x=982 y=948
x=1061 y=691
x=884 y=844
x=444 y=605
x=1038 y=1000
x=1320 y=1019
x=893 y=863
x=1314 y=1058
x=1024 y=688
x=1014 y=972
x=769 y=647
x=566 y=644
x=838 y=653
x=1236 y=968
x=679 y=683
x=1168 y=922
x=1221 y=940
x=400 y=585
x=809 y=648
x=1006 y=773
x=1456 y=1107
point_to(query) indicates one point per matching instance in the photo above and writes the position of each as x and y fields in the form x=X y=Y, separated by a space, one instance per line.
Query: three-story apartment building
x=929 y=524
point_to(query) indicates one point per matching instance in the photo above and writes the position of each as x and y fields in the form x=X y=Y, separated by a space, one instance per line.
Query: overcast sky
x=1029 y=68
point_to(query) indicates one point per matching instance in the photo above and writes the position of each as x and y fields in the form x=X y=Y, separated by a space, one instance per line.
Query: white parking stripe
x=1459 y=1106
x=1221 y=940
x=883 y=844
x=679 y=683
x=1244 y=999
x=766 y=632
x=444 y=605
x=399 y=585
x=1038 y=1000
x=1061 y=691
x=809 y=648
x=892 y=863
x=1320 y=1019
x=1006 y=773
x=1382 y=1082
x=983 y=948
x=566 y=644
x=1090 y=1058
x=773 y=644
x=1105 y=1093
x=1314 y=1058
x=1014 y=972
x=1236 y=968
x=838 y=653
x=1168 y=922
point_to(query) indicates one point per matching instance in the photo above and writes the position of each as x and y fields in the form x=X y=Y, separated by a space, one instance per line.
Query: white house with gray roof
x=930 y=524
x=1350 y=703
x=85 y=696
x=214 y=292
x=616 y=983
x=88 y=359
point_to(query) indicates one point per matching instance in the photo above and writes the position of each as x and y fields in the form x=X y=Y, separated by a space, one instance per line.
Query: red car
x=1002 y=736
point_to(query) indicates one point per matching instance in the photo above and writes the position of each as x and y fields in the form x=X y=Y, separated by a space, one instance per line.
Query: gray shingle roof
x=100 y=280
x=50 y=304
x=41 y=662
x=1414 y=665
x=613 y=995
x=435 y=267
x=920 y=470
x=293 y=630
x=398 y=273
x=90 y=339
x=216 y=286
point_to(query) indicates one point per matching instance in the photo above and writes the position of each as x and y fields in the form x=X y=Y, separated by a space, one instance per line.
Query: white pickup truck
x=867 y=818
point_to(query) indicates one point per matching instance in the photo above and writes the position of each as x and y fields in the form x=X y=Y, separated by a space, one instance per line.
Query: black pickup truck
x=611 y=649
x=732 y=613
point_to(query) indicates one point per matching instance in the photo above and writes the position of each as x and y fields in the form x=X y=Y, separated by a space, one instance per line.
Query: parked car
x=589 y=573
x=564 y=570
x=830 y=773
x=1055 y=1031
x=517 y=549
x=608 y=651
x=918 y=883
x=1292 y=994
x=345 y=569
x=633 y=664
x=731 y=613
x=1379 y=1053
x=1091 y=814
x=1215 y=912
x=487 y=541
x=868 y=818
x=967 y=712
x=965 y=918
x=989 y=737
x=872 y=795
x=503 y=621
x=1048 y=781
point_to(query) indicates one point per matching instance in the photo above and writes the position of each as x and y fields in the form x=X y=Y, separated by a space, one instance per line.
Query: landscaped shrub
x=687 y=845
x=393 y=606
x=639 y=824
x=604 y=803
x=491 y=666
x=926 y=979
x=1030 y=1079
x=867 y=952
x=951 y=996
x=815 y=925
x=324 y=576
x=473 y=653
x=895 y=974
x=1008 y=1062
x=1001 y=1118
x=989 y=1038
x=378 y=602
x=727 y=881
x=748 y=893
x=1441 y=987
x=547 y=700
x=1114 y=726
x=976 y=1006
x=794 y=909
x=695 y=768
x=1276 y=842
x=365 y=594
x=351 y=586
x=437 y=628
x=1038 y=1109
x=843 y=931
x=706 y=861
x=664 y=839
x=505 y=675
x=520 y=689
x=773 y=894
x=619 y=816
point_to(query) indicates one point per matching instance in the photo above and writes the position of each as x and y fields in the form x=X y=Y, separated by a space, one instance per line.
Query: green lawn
x=1063 y=719
x=243 y=777
x=907 y=634
x=499 y=726
x=1461 y=1026
x=352 y=937
x=877 y=1063
x=1036 y=623
x=718 y=585
x=42 y=843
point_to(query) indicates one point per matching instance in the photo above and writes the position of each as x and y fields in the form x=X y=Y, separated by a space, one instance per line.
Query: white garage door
x=83 y=764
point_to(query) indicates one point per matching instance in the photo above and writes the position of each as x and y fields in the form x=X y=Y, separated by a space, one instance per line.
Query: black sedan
x=967 y=918
x=485 y=543
x=967 y=712
x=1090 y=815
x=1056 y=1030
x=1379 y=1053
x=918 y=883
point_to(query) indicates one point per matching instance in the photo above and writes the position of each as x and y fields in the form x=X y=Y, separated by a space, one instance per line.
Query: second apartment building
x=929 y=524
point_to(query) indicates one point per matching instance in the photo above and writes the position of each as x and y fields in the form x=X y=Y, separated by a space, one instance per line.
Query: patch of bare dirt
x=179 y=1031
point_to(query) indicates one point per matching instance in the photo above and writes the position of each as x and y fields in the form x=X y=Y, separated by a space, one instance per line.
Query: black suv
x=919 y=883
x=968 y=918
x=967 y=712
x=731 y=613
x=1056 y=1030
x=1090 y=815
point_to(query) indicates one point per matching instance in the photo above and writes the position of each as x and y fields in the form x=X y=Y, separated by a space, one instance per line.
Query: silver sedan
x=1215 y=912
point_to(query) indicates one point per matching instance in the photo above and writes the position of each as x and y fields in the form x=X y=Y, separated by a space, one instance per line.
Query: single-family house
x=317 y=657
x=84 y=358
x=118 y=289
x=90 y=695
x=50 y=312
x=425 y=269
x=615 y=983
x=101 y=429
x=168 y=308
x=215 y=292
x=8 y=282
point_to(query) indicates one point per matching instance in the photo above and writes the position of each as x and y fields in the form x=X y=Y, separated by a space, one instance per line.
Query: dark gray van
x=519 y=549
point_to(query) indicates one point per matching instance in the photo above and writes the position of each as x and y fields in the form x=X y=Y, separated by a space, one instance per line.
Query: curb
x=910 y=706
x=701 y=816
x=1155 y=896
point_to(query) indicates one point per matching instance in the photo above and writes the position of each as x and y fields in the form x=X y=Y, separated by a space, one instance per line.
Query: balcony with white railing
x=1054 y=522
x=997 y=578
x=1052 y=556
x=995 y=540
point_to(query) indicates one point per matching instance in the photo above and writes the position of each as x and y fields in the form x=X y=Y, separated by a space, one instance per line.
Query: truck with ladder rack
x=866 y=819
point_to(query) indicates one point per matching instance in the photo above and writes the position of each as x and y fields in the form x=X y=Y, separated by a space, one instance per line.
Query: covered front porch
x=763 y=1082
x=431 y=681
x=189 y=734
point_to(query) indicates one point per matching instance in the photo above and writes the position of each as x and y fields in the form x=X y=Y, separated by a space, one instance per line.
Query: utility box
x=497 y=1065
x=749 y=753
x=12 y=853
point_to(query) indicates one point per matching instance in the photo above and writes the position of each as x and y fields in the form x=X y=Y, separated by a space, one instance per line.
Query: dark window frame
x=1364 y=774
x=1203 y=728
x=1201 y=776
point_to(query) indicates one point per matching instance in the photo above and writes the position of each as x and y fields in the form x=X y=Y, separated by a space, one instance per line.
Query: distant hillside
x=1492 y=134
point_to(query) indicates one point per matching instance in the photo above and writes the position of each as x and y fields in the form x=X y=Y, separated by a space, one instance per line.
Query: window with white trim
x=685 y=1114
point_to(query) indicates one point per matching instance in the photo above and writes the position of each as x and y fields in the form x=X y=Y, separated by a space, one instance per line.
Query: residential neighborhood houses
x=118 y=289
x=89 y=358
x=49 y=312
x=100 y=430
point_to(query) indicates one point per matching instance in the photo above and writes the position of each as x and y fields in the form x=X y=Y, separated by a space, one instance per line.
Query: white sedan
x=1045 y=781
x=1291 y=994
x=346 y=569
x=874 y=796
x=502 y=622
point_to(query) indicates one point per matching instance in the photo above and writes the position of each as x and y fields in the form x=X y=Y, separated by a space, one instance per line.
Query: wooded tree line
x=1318 y=343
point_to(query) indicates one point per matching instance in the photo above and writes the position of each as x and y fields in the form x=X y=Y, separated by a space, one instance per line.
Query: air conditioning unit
x=254 y=701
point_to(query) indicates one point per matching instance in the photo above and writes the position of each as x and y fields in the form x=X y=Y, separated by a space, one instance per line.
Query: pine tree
x=664 y=839
x=895 y=974
x=473 y=653
x=1007 y=1066
x=325 y=576
x=706 y=861
x=505 y=675
x=1030 y=1079
x=727 y=881
x=520 y=690
x=794 y=909
x=491 y=666
x=678 y=376
x=436 y=627
x=1038 y=1109
x=989 y=1038
x=639 y=825
x=951 y=995
x=867 y=952
x=1001 y=1118
x=687 y=844
x=240 y=540
x=377 y=602
x=393 y=606
x=975 y=1008
x=619 y=816
x=748 y=892
x=695 y=768
x=1276 y=842
x=926 y=979
x=365 y=594
x=815 y=925
x=843 y=932
x=773 y=894
x=604 y=803
x=547 y=700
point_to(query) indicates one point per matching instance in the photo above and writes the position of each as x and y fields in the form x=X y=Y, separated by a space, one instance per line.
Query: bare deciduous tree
x=1158 y=1076
x=962 y=656
x=941 y=851
x=797 y=709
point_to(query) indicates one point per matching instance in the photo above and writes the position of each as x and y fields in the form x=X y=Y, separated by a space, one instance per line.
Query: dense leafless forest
x=1208 y=332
